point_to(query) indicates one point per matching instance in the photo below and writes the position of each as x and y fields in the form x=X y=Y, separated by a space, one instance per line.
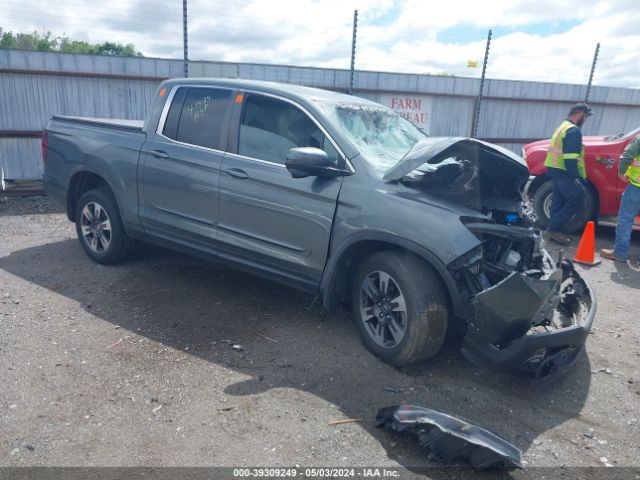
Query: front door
x=267 y=219
x=181 y=167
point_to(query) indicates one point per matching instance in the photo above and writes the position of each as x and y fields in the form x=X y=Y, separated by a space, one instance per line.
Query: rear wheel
x=99 y=227
x=541 y=203
x=400 y=307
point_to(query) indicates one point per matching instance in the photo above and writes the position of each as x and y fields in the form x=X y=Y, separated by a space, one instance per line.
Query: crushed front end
x=525 y=311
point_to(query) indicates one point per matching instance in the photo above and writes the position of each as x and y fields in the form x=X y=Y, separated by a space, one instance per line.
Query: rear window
x=197 y=116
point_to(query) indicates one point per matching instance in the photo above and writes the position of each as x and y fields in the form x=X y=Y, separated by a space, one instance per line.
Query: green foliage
x=46 y=42
x=75 y=46
x=7 y=40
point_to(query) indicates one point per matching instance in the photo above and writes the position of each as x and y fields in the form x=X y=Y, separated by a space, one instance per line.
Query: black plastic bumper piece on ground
x=542 y=353
x=448 y=438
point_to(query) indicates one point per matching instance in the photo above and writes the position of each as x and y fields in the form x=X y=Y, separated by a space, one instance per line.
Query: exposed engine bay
x=517 y=293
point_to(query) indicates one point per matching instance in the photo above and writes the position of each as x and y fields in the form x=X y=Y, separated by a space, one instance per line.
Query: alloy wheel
x=383 y=309
x=96 y=227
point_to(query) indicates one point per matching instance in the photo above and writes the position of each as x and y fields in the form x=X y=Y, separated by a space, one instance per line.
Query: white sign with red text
x=415 y=108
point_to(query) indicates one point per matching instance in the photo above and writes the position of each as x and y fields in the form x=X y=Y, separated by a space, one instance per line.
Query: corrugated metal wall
x=37 y=85
x=30 y=100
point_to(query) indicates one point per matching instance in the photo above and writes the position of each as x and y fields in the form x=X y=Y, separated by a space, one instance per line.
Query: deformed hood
x=433 y=150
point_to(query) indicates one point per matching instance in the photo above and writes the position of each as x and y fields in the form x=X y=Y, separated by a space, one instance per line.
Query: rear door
x=181 y=167
x=269 y=220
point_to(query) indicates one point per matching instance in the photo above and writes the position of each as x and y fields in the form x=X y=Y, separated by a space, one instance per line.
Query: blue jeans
x=629 y=208
x=568 y=197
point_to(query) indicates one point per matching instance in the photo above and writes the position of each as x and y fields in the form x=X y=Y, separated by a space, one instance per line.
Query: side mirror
x=310 y=162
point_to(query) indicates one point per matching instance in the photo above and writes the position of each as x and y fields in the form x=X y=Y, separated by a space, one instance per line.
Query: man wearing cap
x=565 y=167
x=628 y=171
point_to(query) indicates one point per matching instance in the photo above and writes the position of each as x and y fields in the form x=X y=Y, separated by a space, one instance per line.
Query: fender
x=332 y=266
x=96 y=171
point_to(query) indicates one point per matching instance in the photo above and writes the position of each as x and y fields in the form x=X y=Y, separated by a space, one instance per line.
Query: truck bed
x=103 y=122
x=106 y=147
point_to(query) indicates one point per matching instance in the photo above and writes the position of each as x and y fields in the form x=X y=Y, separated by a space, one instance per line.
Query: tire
x=541 y=203
x=421 y=328
x=99 y=227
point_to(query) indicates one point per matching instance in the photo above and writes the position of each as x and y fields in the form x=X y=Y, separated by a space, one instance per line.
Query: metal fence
x=37 y=85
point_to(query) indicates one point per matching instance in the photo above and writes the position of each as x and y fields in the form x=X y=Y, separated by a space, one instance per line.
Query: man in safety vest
x=628 y=171
x=565 y=167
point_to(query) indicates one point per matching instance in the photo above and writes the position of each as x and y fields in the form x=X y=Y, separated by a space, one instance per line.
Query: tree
x=43 y=42
x=46 y=42
x=75 y=46
x=117 y=49
x=7 y=40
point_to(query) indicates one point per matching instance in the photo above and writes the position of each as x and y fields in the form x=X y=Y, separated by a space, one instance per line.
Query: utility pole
x=593 y=69
x=476 y=117
x=353 y=50
x=185 y=39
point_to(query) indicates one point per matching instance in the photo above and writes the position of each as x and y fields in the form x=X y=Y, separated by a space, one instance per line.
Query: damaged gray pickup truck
x=338 y=196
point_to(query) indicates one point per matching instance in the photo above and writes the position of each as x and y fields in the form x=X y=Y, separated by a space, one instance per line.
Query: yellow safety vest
x=633 y=172
x=556 y=157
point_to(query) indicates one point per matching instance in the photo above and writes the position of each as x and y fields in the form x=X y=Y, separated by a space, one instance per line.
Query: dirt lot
x=133 y=365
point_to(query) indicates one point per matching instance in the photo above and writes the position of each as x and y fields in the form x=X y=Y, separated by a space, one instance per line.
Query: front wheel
x=541 y=204
x=400 y=307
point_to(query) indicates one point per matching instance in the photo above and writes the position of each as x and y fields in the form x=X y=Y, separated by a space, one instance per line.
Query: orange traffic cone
x=586 y=252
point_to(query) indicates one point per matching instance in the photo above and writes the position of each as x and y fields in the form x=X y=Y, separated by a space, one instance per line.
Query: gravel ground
x=134 y=365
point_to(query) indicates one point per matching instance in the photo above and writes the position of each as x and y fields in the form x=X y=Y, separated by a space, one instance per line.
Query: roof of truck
x=285 y=89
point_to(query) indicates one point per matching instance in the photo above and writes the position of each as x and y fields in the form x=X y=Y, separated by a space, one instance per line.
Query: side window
x=170 y=128
x=201 y=118
x=271 y=127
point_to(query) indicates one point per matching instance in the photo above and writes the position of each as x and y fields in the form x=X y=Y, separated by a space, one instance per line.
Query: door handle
x=237 y=173
x=159 y=154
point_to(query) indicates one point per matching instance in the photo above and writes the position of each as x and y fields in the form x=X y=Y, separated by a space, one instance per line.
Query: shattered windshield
x=381 y=135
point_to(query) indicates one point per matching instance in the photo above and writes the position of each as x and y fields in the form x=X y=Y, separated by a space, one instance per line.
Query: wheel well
x=79 y=184
x=539 y=180
x=347 y=265
x=595 y=213
x=536 y=183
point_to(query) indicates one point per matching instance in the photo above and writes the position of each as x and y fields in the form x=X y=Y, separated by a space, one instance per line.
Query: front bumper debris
x=448 y=438
x=531 y=325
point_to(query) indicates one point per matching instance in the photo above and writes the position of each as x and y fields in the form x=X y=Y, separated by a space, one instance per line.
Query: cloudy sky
x=542 y=40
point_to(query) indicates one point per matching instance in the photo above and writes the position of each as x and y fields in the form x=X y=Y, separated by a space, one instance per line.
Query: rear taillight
x=44 y=146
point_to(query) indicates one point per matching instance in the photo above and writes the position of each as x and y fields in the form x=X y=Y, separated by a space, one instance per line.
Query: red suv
x=604 y=188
